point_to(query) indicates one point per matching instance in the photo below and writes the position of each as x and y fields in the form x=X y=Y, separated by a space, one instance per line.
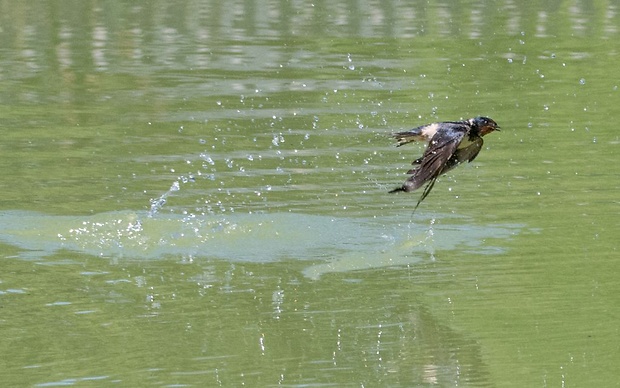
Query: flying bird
x=450 y=143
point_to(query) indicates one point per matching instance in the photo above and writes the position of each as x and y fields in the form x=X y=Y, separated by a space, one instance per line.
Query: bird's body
x=449 y=144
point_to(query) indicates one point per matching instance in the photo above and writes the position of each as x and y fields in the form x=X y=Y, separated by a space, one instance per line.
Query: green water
x=195 y=194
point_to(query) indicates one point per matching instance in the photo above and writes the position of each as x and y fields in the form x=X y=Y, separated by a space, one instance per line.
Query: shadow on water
x=333 y=244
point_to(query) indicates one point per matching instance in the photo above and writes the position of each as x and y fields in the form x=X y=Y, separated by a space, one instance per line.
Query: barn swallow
x=449 y=144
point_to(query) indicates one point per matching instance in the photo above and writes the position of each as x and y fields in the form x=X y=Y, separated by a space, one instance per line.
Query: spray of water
x=158 y=203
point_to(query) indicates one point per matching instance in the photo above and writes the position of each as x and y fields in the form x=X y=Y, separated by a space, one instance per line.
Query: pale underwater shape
x=336 y=243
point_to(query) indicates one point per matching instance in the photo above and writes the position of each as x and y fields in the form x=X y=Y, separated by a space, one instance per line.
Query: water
x=196 y=194
x=345 y=243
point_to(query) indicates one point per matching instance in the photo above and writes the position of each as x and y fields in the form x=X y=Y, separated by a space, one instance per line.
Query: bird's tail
x=403 y=138
x=427 y=190
x=398 y=189
x=422 y=134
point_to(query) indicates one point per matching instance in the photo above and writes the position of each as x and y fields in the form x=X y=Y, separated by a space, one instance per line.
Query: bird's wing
x=461 y=155
x=439 y=152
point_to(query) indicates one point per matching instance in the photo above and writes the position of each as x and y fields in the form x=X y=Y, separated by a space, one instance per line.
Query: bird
x=450 y=143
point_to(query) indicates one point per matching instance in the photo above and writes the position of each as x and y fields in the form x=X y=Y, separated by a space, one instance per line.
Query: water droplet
x=582 y=81
x=207 y=158
x=350 y=60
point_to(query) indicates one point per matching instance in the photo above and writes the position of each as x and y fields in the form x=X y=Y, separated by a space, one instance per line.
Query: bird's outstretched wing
x=441 y=155
x=464 y=154
x=441 y=149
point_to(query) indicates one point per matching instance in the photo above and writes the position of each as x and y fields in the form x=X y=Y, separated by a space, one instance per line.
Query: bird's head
x=485 y=125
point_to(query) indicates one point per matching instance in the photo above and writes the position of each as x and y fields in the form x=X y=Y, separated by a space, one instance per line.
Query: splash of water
x=158 y=203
